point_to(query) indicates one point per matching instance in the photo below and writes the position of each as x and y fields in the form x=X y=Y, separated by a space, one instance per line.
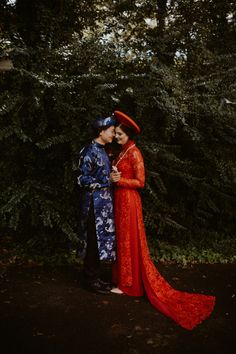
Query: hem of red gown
x=206 y=315
x=129 y=291
x=187 y=322
x=157 y=304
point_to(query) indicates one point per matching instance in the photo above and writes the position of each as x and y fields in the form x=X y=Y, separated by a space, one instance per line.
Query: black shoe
x=97 y=287
x=105 y=284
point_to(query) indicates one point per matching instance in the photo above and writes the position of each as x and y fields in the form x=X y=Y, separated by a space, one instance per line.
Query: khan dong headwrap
x=104 y=122
x=127 y=121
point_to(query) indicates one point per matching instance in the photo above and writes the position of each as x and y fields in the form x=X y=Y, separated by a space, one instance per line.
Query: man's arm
x=86 y=178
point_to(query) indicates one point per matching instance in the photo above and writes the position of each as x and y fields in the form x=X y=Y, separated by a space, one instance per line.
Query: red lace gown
x=134 y=271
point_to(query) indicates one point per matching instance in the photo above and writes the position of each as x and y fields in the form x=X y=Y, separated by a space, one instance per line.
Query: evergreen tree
x=170 y=65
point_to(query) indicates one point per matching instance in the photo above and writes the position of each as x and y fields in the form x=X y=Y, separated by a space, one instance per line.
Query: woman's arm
x=137 y=163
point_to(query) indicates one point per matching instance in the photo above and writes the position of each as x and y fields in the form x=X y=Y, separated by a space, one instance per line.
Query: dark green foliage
x=74 y=60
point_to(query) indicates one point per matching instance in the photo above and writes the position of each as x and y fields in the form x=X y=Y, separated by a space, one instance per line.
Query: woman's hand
x=115 y=176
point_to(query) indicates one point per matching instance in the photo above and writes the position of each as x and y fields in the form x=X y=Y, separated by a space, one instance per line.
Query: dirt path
x=45 y=311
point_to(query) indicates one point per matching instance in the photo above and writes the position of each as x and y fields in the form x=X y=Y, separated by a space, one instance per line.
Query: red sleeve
x=138 y=180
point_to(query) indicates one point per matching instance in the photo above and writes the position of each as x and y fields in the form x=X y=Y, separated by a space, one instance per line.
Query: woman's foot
x=116 y=291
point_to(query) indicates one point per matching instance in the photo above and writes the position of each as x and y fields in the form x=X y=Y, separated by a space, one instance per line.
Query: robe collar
x=127 y=145
x=98 y=144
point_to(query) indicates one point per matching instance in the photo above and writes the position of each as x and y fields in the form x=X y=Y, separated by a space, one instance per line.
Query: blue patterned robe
x=94 y=169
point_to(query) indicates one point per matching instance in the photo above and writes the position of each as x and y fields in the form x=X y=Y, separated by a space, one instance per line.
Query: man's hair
x=97 y=131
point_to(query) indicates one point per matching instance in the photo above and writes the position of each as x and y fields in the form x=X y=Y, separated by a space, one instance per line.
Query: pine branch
x=59 y=139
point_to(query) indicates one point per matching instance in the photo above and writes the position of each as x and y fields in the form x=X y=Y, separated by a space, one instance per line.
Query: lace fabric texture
x=134 y=272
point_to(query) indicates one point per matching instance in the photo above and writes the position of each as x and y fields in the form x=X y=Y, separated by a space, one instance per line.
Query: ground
x=46 y=311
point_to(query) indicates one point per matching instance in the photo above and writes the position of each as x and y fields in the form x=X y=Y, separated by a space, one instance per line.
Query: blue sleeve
x=86 y=179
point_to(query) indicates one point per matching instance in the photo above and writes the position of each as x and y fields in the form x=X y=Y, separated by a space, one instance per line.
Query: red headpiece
x=127 y=121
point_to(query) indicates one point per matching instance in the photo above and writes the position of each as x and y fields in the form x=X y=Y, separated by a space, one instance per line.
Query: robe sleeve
x=138 y=180
x=85 y=179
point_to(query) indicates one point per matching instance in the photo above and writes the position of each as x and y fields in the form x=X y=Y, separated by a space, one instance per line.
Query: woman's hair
x=128 y=131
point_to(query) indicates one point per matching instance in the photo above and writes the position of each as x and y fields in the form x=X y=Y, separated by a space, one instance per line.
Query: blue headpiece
x=104 y=122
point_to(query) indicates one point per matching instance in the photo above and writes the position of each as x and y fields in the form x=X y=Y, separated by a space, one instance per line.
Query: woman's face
x=121 y=137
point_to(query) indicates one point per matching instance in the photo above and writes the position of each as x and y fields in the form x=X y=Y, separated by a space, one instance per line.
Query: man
x=97 y=229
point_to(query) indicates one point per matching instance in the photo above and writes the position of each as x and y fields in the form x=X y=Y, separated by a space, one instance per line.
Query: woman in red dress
x=134 y=272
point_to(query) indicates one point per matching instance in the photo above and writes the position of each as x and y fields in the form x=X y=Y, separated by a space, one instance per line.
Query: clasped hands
x=115 y=174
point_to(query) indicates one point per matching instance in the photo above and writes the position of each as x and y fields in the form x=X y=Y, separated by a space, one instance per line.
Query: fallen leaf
x=105 y=302
x=150 y=341
x=137 y=328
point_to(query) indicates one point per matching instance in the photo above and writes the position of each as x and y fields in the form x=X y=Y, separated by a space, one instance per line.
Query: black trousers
x=91 y=260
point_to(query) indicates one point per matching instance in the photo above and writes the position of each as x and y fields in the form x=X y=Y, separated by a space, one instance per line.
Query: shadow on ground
x=46 y=311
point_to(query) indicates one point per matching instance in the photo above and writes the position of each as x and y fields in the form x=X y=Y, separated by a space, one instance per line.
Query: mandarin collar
x=127 y=145
x=98 y=144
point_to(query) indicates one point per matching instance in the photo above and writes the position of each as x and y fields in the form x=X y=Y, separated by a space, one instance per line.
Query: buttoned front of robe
x=96 y=188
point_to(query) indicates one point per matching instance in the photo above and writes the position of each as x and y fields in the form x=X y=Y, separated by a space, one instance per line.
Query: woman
x=134 y=272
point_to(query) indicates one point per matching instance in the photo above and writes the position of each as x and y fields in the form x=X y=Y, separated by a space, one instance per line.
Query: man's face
x=107 y=135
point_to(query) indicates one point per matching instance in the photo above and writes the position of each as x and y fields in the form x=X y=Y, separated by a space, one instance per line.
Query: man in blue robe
x=97 y=228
